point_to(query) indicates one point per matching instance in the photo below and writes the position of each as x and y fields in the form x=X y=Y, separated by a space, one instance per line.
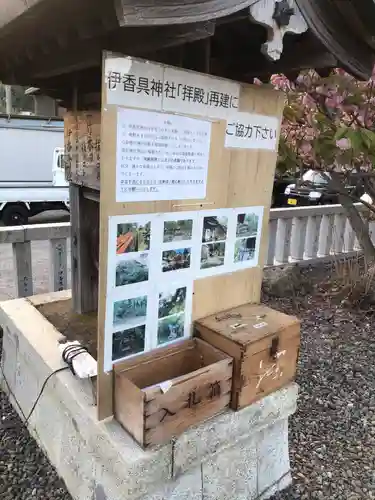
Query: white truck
x=32 y=176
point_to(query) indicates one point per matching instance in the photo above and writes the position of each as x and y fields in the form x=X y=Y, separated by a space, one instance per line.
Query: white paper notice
x=251 y=131
x=161 y=156
x=143 y=84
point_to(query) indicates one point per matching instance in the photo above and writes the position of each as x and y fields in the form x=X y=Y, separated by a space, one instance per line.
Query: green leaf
x=340 y=133
x=355 y=137
x=368 y=138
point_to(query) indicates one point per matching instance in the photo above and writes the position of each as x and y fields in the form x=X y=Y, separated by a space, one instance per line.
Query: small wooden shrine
x=58 y=46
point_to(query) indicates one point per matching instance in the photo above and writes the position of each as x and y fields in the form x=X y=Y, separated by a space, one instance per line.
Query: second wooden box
x=264 y=344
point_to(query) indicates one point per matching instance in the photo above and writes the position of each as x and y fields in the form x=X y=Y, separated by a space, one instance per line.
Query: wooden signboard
x=82 y=148
x=187 y=167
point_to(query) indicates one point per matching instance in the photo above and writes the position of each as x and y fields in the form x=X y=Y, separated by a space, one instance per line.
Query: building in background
x=17 y=100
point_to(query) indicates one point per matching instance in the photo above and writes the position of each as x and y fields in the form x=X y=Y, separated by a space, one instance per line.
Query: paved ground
x=40 y=259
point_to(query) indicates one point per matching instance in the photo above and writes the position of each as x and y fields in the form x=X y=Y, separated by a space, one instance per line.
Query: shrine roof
x=58 y=44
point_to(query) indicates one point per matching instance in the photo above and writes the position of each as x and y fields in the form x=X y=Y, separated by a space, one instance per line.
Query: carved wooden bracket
x=279 y=17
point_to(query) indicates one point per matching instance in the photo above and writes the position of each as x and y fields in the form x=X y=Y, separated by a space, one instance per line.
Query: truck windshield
x=314 y=177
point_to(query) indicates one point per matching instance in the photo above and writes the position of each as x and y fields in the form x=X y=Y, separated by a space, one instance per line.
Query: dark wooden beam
x=87 y=53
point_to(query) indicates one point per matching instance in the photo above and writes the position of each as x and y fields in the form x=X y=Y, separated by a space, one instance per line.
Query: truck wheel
x=15 y=215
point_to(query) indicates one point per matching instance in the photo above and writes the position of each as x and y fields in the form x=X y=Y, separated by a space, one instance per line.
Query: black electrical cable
x=69 y=353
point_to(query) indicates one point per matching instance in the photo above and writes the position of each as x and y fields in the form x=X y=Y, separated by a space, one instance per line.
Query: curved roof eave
x=346 y=29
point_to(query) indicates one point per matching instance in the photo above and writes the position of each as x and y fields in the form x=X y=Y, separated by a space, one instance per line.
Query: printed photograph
x=128 y=342
x=244 y=249
x=173 y=260
x=130 y=312
x=212 y=255
x=214 y=229
x=172 y=302
x=247 y=225
x=132 y=271
x=171 y=328
x=178 y=230
x=133 y=237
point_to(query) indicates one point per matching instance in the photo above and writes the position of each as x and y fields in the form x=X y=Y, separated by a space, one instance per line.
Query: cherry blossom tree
x=329 y=126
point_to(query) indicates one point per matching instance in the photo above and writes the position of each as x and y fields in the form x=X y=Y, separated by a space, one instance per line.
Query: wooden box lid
x=249 y=323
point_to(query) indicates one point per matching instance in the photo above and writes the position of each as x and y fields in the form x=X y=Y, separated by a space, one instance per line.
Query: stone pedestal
x=235 y=456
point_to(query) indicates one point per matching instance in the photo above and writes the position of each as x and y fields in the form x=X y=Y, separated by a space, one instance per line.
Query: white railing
x=35 y=259
x=309 y=234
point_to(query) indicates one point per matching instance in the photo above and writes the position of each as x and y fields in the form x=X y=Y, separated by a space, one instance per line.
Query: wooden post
x=84 y=250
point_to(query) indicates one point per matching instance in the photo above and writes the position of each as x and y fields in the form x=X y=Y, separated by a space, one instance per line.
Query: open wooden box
x=160 y=394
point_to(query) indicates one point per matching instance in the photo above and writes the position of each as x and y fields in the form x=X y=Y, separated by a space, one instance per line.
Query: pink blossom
x=281 y=82
x=309 y=133
x=334 y=101
x=321 y=89
x=344 y=144
x=306 y=147
x=307 y=100
x=257 y=81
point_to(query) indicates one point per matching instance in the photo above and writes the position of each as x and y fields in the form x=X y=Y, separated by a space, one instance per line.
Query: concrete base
x=235 y=456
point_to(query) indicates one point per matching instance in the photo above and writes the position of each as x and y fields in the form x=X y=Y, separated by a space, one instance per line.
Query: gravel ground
x=25 y=472
x=332 y=434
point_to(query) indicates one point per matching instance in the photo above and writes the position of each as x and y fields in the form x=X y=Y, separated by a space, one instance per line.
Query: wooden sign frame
x=236 y=178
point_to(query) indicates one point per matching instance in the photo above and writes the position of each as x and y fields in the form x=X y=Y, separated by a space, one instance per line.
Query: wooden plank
x=262 y=375
x=150 y=357
x=214 y=338
x=200 y=384
x=173 y=12
x=50 y=297
x=18 y=234
x=129 y=407
x=256 y=373
x=188 y=404
x=12 y=234
x=236 y=178
x=23 y=267
x=160 y=369
x=47 y=231
x=208 y=353
x=182 y=386
x=82 y=148
x=251 y=316
x=155 y=413
x=58 y=265
x=84 y=251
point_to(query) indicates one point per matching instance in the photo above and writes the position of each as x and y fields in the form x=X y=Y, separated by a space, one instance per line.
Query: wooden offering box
x=264 y=344
x=160 y=394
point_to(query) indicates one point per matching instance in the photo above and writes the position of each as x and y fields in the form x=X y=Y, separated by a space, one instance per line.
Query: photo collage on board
x=246 y=236
x=153 y=261
x=214 y=236
x=132 y=268
x=176 y=263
